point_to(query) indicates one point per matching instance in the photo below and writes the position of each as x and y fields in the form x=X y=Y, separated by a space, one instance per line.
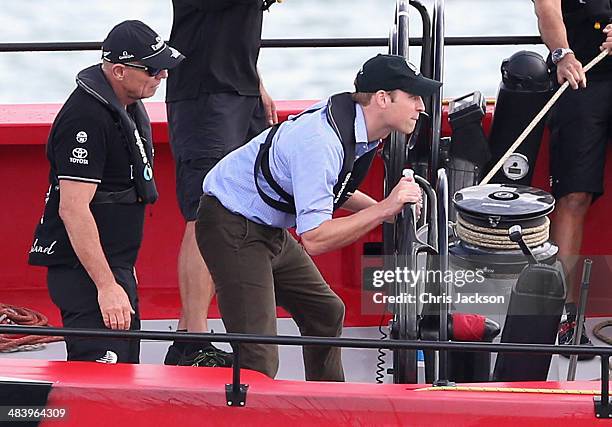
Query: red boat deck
x=95 y=394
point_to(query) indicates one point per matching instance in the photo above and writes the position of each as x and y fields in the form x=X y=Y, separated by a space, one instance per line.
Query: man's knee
x=575 y=203
x=199 y=231
x=331 y=323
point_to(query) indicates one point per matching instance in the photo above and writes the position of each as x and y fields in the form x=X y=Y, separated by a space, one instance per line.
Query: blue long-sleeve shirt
x=305 y=160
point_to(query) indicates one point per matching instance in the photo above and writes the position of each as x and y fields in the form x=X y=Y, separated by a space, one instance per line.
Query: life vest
x=136 y=130
x=51 y=244
x=341 y=118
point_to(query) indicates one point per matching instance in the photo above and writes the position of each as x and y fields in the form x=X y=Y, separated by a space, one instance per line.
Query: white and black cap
x=134 y=41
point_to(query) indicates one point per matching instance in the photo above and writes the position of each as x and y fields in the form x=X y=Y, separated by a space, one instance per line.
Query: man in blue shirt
x=295 y=175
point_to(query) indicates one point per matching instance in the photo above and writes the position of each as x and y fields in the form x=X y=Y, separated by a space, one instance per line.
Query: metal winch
x=485 y=215
x=500 y=229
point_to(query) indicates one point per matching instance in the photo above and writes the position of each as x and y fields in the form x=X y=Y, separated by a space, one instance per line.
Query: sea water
x=300 y=73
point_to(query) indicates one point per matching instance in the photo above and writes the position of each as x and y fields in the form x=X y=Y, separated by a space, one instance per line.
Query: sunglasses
x=151 y=71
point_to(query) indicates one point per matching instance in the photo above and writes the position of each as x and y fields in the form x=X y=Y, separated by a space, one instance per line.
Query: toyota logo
x=79 y=153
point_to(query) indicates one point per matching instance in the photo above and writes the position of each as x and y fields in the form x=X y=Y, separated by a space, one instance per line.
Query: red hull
x=24 y=169
x=95 y=394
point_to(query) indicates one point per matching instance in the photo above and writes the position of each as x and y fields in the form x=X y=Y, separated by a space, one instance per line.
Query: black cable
x=380 y=366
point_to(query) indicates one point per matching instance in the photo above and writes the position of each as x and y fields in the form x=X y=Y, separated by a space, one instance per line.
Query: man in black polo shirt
x=101 y=178
x=215 y=102
x=576 y=31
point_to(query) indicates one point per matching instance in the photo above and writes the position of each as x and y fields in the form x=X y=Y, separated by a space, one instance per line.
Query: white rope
x=503 y=231
x=495 y=238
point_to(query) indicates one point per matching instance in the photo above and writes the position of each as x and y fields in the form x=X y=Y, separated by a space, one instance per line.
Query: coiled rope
x=599 y=334
x=12 y=315
x=498 y=238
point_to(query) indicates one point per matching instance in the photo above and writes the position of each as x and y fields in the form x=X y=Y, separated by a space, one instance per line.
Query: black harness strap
x=262 y=162
x=341 y=118
x=128 y=196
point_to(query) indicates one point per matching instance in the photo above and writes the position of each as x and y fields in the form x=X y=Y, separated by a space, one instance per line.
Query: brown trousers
x=255 y=268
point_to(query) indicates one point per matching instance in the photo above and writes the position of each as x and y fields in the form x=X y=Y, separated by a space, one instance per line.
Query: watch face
x=558 y=54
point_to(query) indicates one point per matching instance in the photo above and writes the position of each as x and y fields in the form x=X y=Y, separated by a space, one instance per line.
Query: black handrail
x=442 y=192
x=426 y=41
x=402 y=24
x=308 y=340
x=236 y=392
x=298 y=42
x=405 y=316
x=438 y=34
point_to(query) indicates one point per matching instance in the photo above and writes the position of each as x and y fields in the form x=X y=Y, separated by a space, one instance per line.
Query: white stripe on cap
x=156 y=53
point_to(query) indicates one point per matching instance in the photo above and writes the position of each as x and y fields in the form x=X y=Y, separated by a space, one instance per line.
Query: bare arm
x=268 y=103
x=83 y=233
x=338 y=232
x=554 y=35
x=550 y=23
x=358 y=202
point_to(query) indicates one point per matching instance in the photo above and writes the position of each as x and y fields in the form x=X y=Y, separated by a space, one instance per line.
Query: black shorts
x=202 y=132
x=580 y=126
x=75 y=294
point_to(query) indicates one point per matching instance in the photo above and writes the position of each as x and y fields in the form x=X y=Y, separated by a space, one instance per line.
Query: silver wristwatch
x=558 y=54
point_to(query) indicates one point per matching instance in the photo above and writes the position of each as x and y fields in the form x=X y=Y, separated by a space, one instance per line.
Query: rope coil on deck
x=498 y=238
x=597 y=331
x=12 y=315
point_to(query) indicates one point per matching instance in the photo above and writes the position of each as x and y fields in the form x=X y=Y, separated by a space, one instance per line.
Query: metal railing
x=236 y=392
x=293 y=43
x=437 y=74
x=442 y=219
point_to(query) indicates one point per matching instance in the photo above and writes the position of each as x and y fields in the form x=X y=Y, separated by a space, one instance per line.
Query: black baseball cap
x=390 y=72
x=134 y=41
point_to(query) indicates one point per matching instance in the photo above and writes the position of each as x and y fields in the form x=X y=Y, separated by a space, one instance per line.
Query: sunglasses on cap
x=151 y=71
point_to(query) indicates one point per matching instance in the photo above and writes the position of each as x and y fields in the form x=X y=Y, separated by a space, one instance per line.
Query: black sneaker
x=210 y=357
x=566 y=336
x=173 y=356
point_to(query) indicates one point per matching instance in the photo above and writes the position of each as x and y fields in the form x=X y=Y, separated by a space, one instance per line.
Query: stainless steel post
x=584 y=290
